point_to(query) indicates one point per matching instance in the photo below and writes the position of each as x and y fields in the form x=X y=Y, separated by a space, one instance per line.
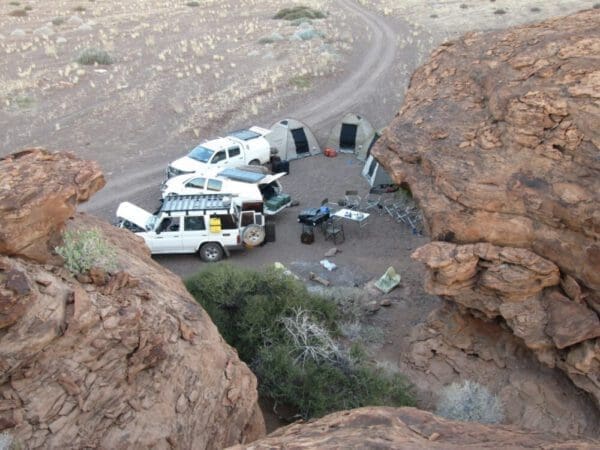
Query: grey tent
x=375 y=173
x=353 y=134
x=292 y=139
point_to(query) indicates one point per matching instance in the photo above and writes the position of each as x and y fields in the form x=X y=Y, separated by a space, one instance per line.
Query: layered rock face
x=38 y=193
x=405 y=428
x=114 y=360
x=498 y=140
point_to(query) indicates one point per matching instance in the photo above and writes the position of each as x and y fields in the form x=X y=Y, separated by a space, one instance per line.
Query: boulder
x=406 y=428
x=39 y=191
x=498 y=143
x=127 y=360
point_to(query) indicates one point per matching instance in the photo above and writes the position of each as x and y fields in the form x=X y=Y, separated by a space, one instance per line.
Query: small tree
x=84 y=249
x=470 y=402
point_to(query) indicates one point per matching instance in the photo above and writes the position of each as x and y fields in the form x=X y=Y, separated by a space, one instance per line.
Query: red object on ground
x=329 y=152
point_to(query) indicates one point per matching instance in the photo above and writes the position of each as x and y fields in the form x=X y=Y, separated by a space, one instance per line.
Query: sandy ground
x=181 y=74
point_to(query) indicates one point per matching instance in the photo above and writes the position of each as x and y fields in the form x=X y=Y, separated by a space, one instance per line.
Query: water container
x=215 y=224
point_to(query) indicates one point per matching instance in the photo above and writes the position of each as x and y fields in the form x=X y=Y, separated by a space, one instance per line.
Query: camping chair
x=352 y=199
x=334 y=230
x=373 y=201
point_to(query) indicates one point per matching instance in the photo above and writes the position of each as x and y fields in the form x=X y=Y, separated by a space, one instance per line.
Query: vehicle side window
x=234 y=151
x=194 y=223
x=228 y=222
x=247 y=218
x=168 y=224
x=196 y=183
x=214 y=184
x=219 y=156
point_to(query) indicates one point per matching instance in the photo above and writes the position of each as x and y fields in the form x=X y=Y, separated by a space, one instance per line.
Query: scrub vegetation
x=290 y=339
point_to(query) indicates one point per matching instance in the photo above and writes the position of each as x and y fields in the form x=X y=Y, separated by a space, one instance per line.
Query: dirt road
x=362 y=81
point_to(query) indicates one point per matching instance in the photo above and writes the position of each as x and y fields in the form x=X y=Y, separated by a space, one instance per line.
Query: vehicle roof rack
x=204 y=202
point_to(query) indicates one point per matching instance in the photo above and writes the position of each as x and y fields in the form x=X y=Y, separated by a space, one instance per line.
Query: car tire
x=254 y=162
x=211 y=252
x=253 y=235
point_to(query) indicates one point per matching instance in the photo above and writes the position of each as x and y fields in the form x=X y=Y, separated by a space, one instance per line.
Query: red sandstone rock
x=499 y=143
x=405 y=428
x=132 y=363
x=38 y=193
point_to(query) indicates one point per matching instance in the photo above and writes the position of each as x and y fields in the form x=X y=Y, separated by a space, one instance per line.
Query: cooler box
x=277 y=202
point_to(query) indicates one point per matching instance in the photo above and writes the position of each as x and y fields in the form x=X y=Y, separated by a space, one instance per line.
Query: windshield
x=201 y=154
x=151 y=223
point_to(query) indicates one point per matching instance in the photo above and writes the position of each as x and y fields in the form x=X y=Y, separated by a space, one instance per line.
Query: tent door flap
x=348 y=137
x=301 y=141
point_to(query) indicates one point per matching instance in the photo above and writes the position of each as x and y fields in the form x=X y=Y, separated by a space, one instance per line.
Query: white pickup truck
x=242 y=147
x=209 y=225
x=261 y=192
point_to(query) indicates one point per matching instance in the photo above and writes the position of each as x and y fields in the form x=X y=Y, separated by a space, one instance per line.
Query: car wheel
x=254 y=162
x=253 y=235
x=211 y=252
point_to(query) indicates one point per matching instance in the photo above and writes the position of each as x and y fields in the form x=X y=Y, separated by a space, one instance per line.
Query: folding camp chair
x=373 y=201
x=334 y=230
x=352 y=199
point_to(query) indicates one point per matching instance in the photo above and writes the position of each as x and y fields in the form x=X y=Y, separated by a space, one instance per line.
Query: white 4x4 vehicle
x=238 y=148
x=209 y=225
x=251 y=190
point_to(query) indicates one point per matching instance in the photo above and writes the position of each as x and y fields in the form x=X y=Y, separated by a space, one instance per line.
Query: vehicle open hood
x=272 y=177
x=134 y=214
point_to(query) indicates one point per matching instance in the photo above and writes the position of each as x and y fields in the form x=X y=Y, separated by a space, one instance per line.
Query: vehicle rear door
x=195 y=233
x=236 y=158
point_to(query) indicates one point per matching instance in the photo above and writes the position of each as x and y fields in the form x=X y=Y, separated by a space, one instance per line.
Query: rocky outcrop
x=38 y=193
x=451 y=346
x=522 y=288
x=498 y=141
x=111 y=360
x=405 y=428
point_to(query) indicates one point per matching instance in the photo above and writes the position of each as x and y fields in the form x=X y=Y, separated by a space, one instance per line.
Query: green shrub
x=58 y=21
x=288 y=337
x=14 y=3
x=301 y=81
x=192 y=4
x=298 y=12
x=320 y=387
x=245 y=305
x=84 y=249
x=79 y=8
x=470 y=402
x=91 y=56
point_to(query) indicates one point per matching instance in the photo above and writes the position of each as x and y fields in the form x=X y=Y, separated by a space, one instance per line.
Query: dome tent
x=292 y=139
x=353 y=134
